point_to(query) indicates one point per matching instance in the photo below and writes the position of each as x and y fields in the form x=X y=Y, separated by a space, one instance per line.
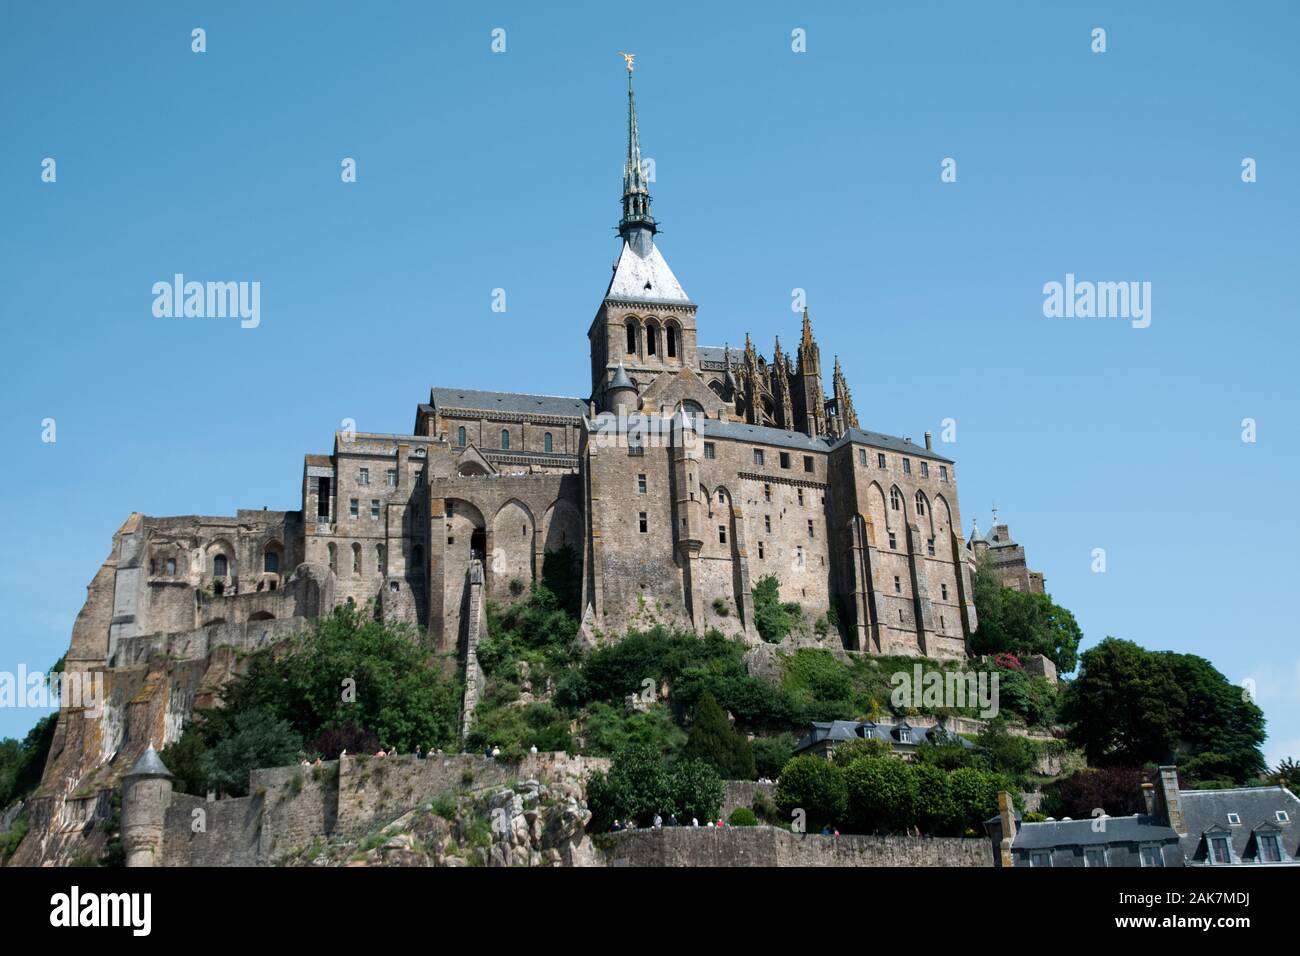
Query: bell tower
x=646 y=322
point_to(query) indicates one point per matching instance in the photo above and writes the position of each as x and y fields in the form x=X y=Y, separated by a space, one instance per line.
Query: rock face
x=527 y=824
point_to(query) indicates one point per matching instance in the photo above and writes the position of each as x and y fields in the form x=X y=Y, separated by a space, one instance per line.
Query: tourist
x=658 y=822
x=496 y=752
x=672 y=819
x=533 y=749
x=419 y=754
x=695 y=822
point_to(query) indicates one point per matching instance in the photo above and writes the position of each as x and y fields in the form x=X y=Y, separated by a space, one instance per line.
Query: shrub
x=772 y=618
x=742 y=817
x=974 y=795
x=936 y=812
x=720 y=607
x=814 y=785
x=882 y=795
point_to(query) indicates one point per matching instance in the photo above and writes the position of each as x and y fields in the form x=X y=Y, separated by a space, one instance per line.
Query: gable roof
x=1137 y=828
x=1206 y=811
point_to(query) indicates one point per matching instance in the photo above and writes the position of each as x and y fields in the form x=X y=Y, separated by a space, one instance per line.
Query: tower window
x=460 y=436
x=356 y=559
x=811 y=533
x=710 y=450
x=898 y=584
x=644 y=521
x=767 y=492
x=722 y=497
x=722 y=534
x=219 y=566
x=943 y=472
x=760 y=551
x=767 y=523
x=548 y=443
x=943 y=588
x=893 y=541
x=671 y=335
x=800 y=494
x=798 y=556
x=631 y=338
x=640 y=484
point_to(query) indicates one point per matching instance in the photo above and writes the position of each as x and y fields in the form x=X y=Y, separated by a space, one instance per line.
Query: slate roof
x=149 y=765
x=878 y=440
x=645 y=279
x=762 y=434
x=518 y=402
x=837 y=731
x=1208 y=809
x=1138 y=828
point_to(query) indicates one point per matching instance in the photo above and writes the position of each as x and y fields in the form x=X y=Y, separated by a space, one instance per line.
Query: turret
x=146 y=794
x=621 y=396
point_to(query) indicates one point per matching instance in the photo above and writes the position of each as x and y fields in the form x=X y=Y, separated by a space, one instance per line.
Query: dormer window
x=1220 y=850
x=1270 y=848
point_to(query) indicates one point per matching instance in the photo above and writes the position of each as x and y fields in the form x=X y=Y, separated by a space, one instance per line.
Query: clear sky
x=775 y=170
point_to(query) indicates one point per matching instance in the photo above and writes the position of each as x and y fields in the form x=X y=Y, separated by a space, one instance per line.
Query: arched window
x=920 y=503
x=505 y=438
x=671 y=335
x=356 y=559
x=547 y=443
x=334 y=557
x=460 y=436
x=652 y=338
x=271 y=561
x=631 y=337
x=219 y=566
x=895 y=499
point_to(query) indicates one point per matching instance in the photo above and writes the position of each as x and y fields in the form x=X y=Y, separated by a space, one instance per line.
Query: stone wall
x=770 y=846
x=741 y=793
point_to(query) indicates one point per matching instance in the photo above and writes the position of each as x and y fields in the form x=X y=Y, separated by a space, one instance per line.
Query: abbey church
x=675 y=480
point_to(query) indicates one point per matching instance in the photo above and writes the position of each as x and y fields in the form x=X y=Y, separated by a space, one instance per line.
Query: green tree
x=695 y=790
x=713 y=741
x=771 y=754
x=257 y=739
x=187 y=761
x=936 y=812
x=851 y=751
x=1006 y=752
x=882 y=795
x=815 y=786
x=1130 y=706
x=974 y=796
x=1022 y=623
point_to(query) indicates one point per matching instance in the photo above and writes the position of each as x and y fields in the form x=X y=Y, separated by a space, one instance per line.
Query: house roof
x=836 y=731
x=514 y=402
x=1137 y=828
x=1207 y=810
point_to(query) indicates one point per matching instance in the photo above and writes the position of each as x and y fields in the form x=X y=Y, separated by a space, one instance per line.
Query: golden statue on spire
x=629 y=57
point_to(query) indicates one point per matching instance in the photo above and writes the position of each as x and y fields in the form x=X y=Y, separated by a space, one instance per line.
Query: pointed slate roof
x=149 y=765
x=645 y=279
x=620 y=379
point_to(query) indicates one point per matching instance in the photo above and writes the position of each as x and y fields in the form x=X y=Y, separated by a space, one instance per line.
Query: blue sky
x=774 y=170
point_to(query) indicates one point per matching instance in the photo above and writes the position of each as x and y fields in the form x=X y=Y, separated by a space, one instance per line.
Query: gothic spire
x=637 y=225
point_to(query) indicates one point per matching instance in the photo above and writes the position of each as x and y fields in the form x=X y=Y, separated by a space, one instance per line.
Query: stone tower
x=646 y=322
x=146 y=794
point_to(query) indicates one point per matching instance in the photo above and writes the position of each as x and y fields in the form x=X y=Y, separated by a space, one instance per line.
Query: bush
x=1007 y=753
x=772 y=618
x=695 y=790
x=742 y=817
x=713 y=741
x=936 y=812
x=1116 y=790
x=720 y=607
x=882 y=795
x=815 y=786
x=975 y=797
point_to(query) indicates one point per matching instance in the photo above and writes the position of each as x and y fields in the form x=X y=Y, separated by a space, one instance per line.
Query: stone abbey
x=686 y=474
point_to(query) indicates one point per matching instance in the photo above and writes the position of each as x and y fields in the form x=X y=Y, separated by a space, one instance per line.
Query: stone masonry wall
x=770 y=846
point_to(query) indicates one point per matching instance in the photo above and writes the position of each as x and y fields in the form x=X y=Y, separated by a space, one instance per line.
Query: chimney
x=1007 y=818
x=929 y=444
x=1172 y=801
x=1149 y=797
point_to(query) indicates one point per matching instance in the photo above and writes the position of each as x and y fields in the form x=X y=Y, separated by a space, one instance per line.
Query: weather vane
x=629 y=57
